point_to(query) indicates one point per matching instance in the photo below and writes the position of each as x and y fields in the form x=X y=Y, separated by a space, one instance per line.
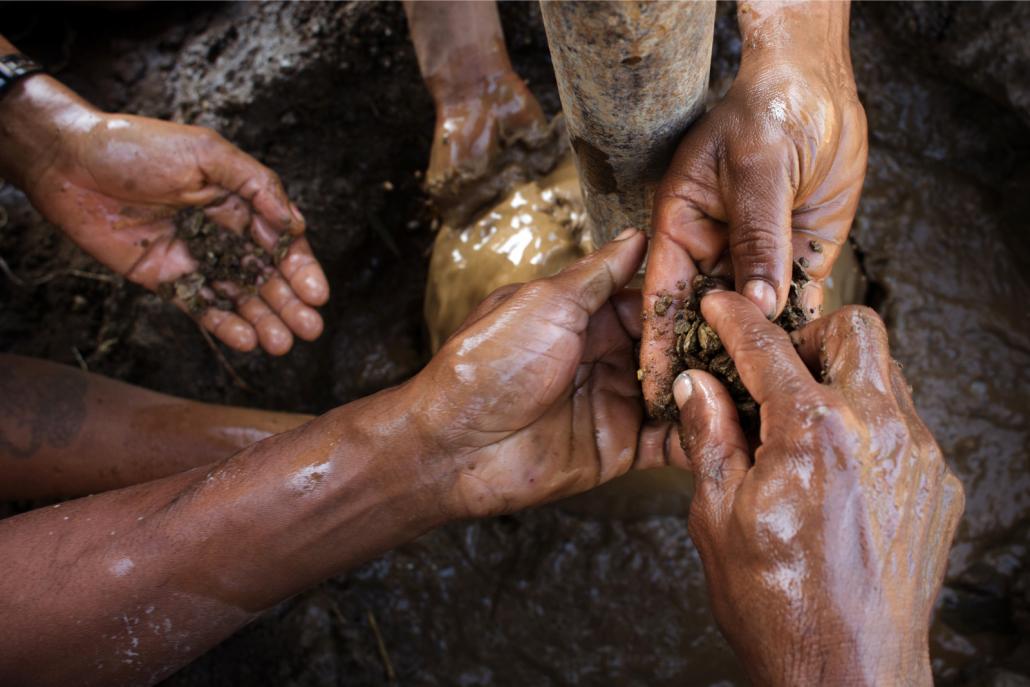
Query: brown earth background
x=330 y=97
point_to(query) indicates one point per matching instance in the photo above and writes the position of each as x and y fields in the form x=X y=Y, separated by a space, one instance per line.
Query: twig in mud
x=80 y=359
x=226 y=365
x=31 y=284
x=391 y=676
x=15 y=279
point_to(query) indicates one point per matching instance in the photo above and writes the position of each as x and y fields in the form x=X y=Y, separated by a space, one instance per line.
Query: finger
x=714 y=443
x=304 y=273
x=759 y=199
x=273 y=334
x=590 y=281
x=666 y=284
x=847 y=349
x=303 y=320
x=659 y=446
x=229 y=167
x=628 y=306
x=815 y=253
x=762 y=352
x=231 y=213
x=230 y=329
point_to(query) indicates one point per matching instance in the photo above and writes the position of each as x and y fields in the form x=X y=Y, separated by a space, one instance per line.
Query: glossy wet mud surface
x=329 y=95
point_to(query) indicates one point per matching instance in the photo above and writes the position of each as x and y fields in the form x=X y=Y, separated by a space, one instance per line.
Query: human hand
x=536 y=397
x=113 y=182
x=770 y=175
x=824 y=557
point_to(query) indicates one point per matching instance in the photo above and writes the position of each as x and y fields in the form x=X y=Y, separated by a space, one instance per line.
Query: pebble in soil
x=698 y=347
x=222 y=257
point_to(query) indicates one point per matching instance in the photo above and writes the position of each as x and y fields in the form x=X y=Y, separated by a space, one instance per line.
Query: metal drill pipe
x=632 y=76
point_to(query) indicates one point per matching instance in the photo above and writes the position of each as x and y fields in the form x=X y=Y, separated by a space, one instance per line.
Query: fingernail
x=296 y=213
x=626 y=233
x=761 y=294
x=682 y=388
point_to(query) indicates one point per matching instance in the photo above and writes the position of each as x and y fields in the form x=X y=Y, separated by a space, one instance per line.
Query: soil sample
x=223 y=257
x=698 y=346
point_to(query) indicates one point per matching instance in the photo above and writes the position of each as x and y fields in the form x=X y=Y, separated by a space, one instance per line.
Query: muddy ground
x=329 y=96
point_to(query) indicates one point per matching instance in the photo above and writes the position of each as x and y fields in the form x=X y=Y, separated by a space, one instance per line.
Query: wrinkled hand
x=472 y=127
x=536 y=397
x=771 y=174
x=824 y=557
x=113 y=183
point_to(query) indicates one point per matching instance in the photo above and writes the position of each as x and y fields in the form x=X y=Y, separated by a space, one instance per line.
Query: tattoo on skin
x=38 y=409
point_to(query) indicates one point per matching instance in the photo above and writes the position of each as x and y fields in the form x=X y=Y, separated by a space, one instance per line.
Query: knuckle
x=756 y=238
x=858 y=319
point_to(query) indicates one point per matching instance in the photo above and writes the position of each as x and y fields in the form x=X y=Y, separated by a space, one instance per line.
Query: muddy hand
x=113 y=182
x=481 y=103
x=771 y=174
x=823 y=558
x=536 y=397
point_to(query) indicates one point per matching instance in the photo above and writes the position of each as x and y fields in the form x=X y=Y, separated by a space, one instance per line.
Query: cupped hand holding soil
x=117 y=185
x=772 y=174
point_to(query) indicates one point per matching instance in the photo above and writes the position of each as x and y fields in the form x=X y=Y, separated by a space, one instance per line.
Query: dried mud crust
x=223 y=257
x=524 y=155
x=698 y=347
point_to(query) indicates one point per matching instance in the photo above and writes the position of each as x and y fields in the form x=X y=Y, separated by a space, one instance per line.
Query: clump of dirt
x=698 y=347
x=223 y=257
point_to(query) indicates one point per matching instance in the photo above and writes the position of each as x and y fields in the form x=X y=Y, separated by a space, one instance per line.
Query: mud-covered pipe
x=632 y=76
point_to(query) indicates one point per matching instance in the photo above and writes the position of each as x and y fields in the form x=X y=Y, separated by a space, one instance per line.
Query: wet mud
x=330 y=96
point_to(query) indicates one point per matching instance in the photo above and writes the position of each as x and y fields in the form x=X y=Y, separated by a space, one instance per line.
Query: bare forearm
x=33 y=115
x=66 y=433
x=794 y=27
x=127 y=586
x=459 y=45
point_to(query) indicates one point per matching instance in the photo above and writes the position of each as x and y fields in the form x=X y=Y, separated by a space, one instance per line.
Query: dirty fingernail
x=682 y=388
x=296 y=213
x=626 y=233
x=761 y=294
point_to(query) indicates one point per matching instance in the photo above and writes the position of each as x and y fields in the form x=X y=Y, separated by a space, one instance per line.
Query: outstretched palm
x=114 y=184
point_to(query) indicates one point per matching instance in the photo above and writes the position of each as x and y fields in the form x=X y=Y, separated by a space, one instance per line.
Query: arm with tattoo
x=67 y=433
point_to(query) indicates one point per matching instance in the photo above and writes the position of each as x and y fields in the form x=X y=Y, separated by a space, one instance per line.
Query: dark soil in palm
x=223 y=257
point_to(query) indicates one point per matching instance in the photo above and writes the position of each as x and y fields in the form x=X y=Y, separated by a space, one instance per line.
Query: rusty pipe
x=632 y=76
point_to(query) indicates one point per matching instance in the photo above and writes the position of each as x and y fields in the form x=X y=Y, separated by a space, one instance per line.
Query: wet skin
x=534 y=399
x=480 y=101
x=771 y=174
x=825 y=549
x=67 y=433
x=113 y=182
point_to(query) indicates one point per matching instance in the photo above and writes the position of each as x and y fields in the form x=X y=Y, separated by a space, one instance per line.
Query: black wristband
x=14 y=68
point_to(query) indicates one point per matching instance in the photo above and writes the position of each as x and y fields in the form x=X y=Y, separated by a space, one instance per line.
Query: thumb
x=590 y=282
x=716 y=449
x=225 y=165
x=759 y=202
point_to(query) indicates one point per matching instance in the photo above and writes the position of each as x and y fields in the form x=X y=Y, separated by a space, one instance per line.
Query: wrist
x=39 y=116
x=849 y=663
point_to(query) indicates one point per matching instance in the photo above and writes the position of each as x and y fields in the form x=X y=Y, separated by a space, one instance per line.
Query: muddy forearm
x=128 y=586
x=67 y=433
x=459 y=46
